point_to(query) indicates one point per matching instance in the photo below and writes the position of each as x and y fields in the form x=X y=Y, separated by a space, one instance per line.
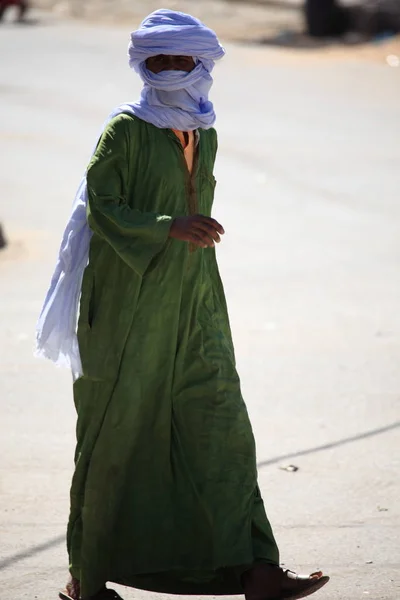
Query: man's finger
x=208 y=229
x=217 y=226
x=197 y=240
x=204 y=237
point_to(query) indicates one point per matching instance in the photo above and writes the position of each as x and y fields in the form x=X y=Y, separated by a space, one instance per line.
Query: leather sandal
x=270 y=582
x=296 y=586
x=72 y=592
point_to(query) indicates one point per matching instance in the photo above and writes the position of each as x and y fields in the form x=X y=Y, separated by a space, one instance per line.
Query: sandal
x=269 y=582
x=73 y=589
x=296 y=586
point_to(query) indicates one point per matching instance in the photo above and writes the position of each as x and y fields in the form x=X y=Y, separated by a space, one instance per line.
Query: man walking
x=164 y=495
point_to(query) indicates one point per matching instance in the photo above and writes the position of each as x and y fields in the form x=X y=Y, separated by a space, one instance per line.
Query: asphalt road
x=308 y=192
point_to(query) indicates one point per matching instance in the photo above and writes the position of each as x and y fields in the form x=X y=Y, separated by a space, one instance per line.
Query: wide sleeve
x=134 y=235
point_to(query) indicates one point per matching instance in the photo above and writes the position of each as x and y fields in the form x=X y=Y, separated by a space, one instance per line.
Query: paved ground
x=308 y=179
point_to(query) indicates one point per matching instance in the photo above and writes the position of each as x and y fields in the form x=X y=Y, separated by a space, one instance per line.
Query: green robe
x=164 y=496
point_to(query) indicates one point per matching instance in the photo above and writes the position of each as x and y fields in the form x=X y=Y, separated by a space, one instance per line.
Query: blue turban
x=175 y=33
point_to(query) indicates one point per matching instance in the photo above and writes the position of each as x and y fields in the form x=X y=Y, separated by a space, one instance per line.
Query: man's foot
x=73 y=592
x=269 y=582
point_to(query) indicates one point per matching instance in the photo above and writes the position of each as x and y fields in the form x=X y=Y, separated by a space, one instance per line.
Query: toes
x=316 y=575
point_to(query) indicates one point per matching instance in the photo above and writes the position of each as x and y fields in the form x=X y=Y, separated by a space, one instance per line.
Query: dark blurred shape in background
x=376 y=17
x=328 y=18
x=3 y=242
x=21 y=5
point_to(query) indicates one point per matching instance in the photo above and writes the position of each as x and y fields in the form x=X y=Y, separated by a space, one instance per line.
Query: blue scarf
x=176 y=99
x=171 y=99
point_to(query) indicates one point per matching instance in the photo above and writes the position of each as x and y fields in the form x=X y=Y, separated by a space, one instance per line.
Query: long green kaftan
x=164 y=495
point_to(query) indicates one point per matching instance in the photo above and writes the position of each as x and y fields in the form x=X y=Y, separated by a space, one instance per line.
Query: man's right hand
x=197 y=229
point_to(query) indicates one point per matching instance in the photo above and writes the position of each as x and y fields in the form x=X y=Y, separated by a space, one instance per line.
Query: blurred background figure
x=21 y=5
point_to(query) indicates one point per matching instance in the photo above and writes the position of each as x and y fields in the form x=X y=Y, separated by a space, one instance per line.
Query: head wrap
x=175 y=99
x=171 y=99
x=175 y=33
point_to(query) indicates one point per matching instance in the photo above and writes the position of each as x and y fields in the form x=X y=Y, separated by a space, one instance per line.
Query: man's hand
x=197 y=229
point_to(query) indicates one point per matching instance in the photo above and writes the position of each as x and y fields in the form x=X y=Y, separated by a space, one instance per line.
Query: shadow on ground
x=330 y=445
x=297 y=39
x=25 y=23
x=32 y=551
